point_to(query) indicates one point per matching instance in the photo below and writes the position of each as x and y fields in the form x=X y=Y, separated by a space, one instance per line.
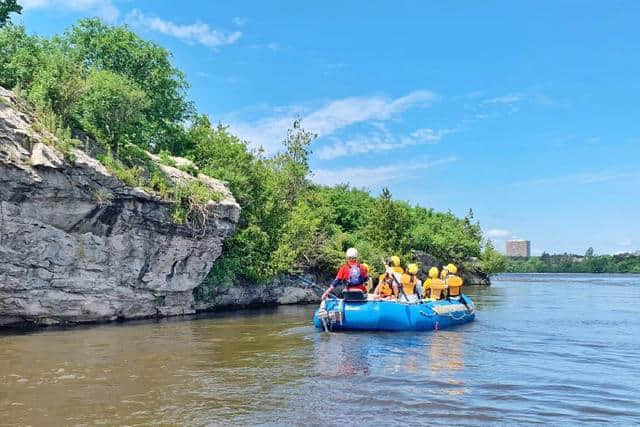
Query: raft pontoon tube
x=381 y=315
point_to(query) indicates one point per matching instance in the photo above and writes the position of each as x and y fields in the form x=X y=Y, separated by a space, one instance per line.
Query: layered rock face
x=77 y=245
x=282 y=290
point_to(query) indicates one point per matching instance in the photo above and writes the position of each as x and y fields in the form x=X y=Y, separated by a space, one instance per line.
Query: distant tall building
x=518 y=248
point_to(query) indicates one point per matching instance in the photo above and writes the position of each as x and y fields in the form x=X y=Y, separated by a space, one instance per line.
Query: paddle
x=313 y=285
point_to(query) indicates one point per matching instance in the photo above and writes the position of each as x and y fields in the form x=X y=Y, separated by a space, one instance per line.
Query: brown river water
x=552 y=349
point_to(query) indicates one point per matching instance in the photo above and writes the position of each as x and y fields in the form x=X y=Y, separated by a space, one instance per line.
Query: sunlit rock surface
x=78 y=245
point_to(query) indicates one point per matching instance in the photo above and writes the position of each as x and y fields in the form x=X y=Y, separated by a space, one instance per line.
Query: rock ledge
x=78 y=245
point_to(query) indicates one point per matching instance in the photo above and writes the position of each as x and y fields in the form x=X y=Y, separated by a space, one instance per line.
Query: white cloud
x=368 y=177
x=275 y=47
x=513 y=98
x=380 y=141
x=191 y=33
x=498 y=233
x=580 y=179
x=105 y=9
x=329 y=118
x=265 y=133
x=345 y=112
x=506 y=99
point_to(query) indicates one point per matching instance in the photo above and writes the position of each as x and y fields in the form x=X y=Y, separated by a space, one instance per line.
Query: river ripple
x=558 y=349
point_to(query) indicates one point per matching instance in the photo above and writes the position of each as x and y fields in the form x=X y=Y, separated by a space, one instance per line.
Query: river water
x=558 y=349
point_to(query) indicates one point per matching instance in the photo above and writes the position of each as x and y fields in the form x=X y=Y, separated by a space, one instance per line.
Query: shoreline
x=568 y=274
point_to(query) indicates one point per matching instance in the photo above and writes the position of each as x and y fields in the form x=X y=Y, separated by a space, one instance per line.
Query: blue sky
x=527 y=112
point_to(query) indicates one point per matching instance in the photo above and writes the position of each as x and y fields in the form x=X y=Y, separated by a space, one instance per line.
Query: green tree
x=222 y=155
x=294 y=161
x=491 y=260
x=389 y=224
x=58 y=85
x=111 y=109
x=301 y=246
x=7 y=7
x=350 y=206
x=20 y=56
x=444 y=235
x=117 y=49
x=256 y=186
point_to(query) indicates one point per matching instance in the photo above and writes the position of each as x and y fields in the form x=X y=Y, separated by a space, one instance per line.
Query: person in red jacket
x=352 y=274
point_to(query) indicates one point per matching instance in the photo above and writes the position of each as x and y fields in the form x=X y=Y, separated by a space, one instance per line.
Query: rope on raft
x=428 y=315
x=457 y=318
x=450 y=314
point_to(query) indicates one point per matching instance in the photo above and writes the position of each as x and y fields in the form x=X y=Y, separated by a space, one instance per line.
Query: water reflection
x=446 y=351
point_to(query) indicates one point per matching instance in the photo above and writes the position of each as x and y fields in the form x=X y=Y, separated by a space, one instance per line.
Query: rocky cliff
x=77 y=245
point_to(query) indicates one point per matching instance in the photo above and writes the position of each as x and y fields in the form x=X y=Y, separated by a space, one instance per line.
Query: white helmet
x=352 y=253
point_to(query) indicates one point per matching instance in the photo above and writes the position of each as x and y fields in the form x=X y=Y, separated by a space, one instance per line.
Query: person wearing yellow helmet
x=434 y=286
x=394 y=261
x=411 y=284
x=454 y=282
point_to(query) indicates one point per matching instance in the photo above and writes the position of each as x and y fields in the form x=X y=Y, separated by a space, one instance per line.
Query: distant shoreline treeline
x=571 y=263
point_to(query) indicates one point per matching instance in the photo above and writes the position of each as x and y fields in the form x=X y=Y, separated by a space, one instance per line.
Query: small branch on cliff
x=191 y=204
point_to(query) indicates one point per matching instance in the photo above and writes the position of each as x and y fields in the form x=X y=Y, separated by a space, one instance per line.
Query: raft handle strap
x=457 y=318
x=422 y=313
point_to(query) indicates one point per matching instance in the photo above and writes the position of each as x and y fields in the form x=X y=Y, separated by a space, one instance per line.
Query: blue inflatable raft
x=371 y=315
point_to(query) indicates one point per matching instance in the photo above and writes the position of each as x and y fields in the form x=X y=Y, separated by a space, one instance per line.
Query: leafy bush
x=492 y=261
x=132 y=176
x=190 y=203
x=146 y=66
x=166 y=159
x=20 y=56
x=58 y=85
x=112 y=109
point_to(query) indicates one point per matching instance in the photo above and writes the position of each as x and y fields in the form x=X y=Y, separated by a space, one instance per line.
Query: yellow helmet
x=366 y=266
x=395 y=261
x=452 y=268
x=433 y=272
x=412 y=268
